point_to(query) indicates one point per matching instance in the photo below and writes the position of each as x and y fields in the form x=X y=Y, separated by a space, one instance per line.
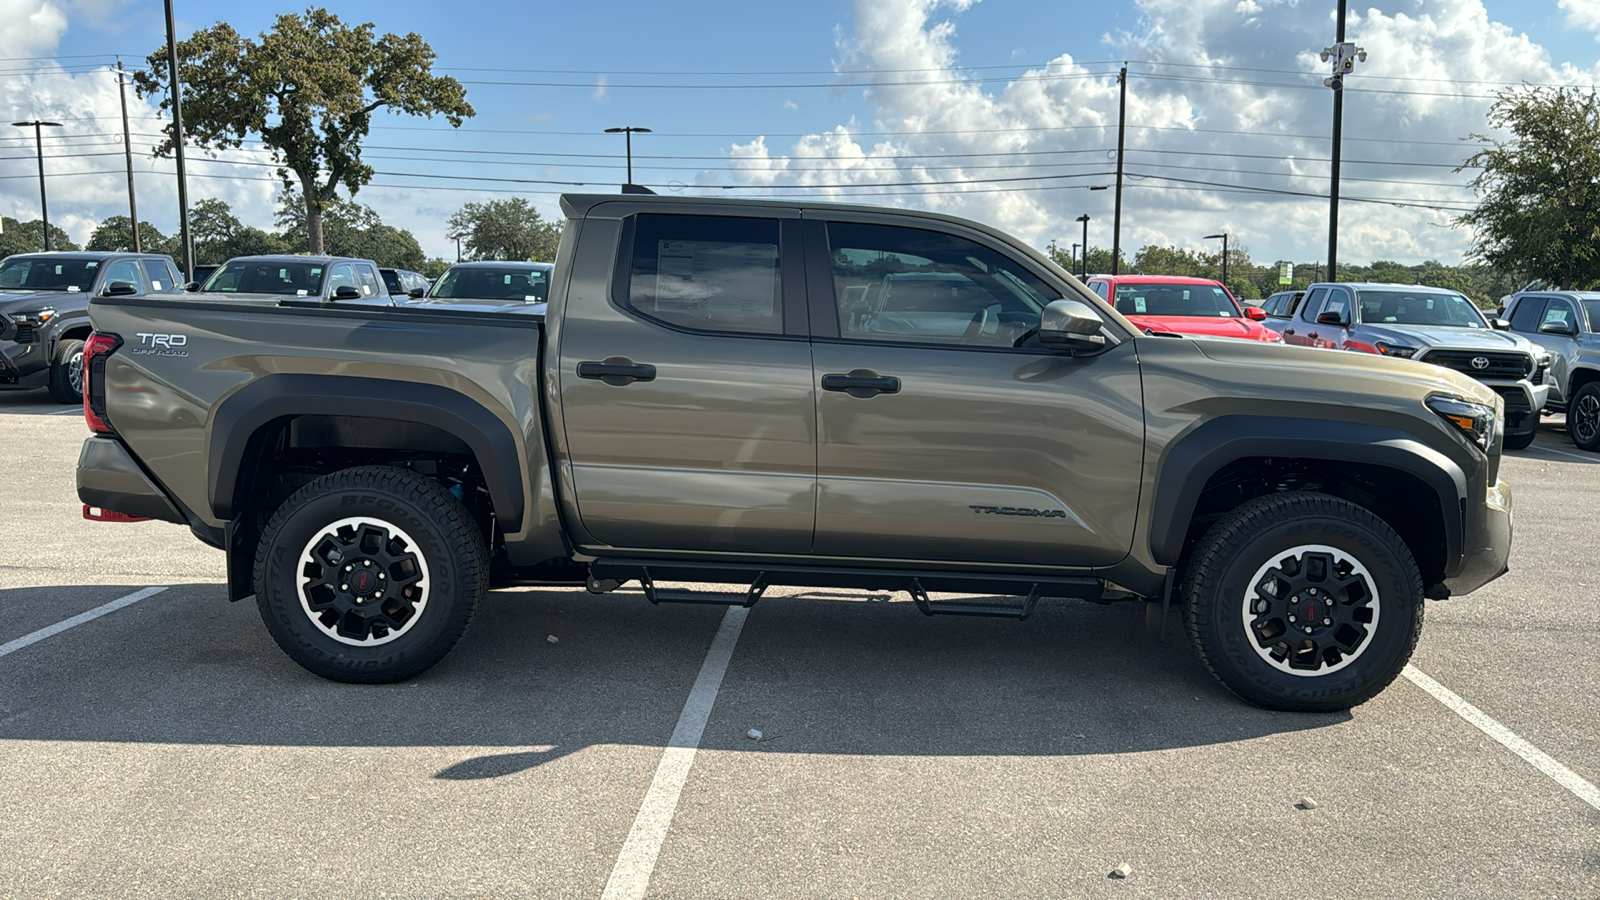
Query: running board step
x=659 y=595
x=929 y=607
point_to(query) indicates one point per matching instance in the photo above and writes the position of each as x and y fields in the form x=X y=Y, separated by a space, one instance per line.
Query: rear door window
x=705 y=273
x=162 y=279
x=369 y=283
x=1312 y=303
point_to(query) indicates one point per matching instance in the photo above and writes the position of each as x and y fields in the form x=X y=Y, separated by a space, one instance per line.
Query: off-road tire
x=1583 y=417
x=69 y=357
x=404 y=524
x=1522 y=441
x=1269 y=536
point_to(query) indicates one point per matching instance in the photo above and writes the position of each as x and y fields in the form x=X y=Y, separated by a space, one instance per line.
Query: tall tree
x=1539 y=211
x=504 y=229
x=116 y=233
x=28 y=237
x=352 y=229
x=309 y=88
x=219 y=235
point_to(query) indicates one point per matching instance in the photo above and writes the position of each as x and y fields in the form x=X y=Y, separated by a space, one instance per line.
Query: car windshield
x=1420 y=308
x=274 y=276
x=48 y=273
x=1170 y=299
x=492 y=283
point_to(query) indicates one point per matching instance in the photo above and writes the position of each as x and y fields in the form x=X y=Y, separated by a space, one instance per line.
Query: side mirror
x=1255 y=312
x=1499 y=324
x=1071 y=323
x=119 y=289
x=416 y=293
x=1555 y=328
x=346 y=292
x=191 y=286
x=1330 y=318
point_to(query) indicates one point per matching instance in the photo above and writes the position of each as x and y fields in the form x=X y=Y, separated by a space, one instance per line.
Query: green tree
x=219 y=235
x=28 y=237
x=116 y=233
x=504 y=229
x=351 y=229
x=1539 y=212
x=434 y=266
x=309 y=88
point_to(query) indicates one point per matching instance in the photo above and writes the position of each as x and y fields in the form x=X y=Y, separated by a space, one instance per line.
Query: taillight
x=95 y=350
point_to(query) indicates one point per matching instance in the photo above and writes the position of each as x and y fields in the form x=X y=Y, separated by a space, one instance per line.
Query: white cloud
x=1582 y=13
x=31 y=27
x=601 y=89
x=1224 y=96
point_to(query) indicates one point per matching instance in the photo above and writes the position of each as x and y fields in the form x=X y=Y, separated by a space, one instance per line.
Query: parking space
x=170 y=748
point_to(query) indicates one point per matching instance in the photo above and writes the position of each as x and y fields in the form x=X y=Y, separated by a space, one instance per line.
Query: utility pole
x=177 y=145
x=1122 y=132
x=1343 y=54
x=1224 y=237
x=628 y=130
x=1085 y=220
x=127 y=149
x=38 y=144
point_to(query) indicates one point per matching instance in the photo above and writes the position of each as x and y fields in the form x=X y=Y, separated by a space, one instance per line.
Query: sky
x=1002 y=111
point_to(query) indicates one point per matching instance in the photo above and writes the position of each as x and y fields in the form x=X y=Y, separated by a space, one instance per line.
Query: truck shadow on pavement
x=816 y=674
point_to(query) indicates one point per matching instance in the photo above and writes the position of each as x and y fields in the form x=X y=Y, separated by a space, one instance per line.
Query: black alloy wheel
x=1583 y=417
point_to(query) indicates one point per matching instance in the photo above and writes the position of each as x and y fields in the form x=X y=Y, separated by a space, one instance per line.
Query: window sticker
x=716 y=277
x=58 y=270
x=73 y=289
x=301 y=293
x=157 y=284
x=87 y=265
x=508 y=279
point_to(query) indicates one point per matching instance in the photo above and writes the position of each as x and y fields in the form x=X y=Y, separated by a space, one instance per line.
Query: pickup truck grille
x=1500 y=365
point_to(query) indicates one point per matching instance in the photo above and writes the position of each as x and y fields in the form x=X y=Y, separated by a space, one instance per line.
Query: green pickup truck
x=760 y=393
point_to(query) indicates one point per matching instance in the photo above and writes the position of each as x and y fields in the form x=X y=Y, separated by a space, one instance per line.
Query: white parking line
x=630 y=877
x=68 y=412
x=29 y=639
x=1577 y=456
x=1535 y=757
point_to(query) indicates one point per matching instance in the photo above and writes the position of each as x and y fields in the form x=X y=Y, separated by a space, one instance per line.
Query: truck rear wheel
x=370 y=575
x=1302 y=601
x=1583 y=417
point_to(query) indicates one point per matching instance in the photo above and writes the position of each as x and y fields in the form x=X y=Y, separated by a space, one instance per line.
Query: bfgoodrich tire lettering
x=1301 y=601
x=370 y=575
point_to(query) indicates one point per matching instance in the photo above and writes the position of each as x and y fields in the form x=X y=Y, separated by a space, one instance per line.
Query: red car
x=1185 y=305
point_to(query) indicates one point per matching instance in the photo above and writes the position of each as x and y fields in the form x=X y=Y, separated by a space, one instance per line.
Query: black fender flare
x=1191 y=461
x=237 y=418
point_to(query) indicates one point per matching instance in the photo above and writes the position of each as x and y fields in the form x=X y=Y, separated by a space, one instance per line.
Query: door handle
x=862 y=383
x=617 y=371
x=1312 y=334
x=1288 y=331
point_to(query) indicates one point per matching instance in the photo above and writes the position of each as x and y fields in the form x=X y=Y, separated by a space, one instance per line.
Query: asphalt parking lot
x=168 y=748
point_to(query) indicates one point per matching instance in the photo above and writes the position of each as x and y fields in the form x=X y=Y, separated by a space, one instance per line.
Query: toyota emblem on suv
x=1480 y=362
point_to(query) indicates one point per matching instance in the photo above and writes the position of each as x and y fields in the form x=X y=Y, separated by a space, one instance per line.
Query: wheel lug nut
x=1327 y=621
x=1291 y=618
x=1308 y=629
x=344 y=587
x=382 y=576
x=348 y=568
x=366 y=562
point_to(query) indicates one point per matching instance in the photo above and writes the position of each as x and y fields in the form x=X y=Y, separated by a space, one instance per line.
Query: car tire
x=1521 y=441
x=66 y=372
x=370 y=575
x=1309 y=547
x=1583 y=417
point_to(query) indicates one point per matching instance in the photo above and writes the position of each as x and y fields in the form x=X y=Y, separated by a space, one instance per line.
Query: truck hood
x=27 y=301
x=1455 y=338
x=1215 y=326
x=1359 y=373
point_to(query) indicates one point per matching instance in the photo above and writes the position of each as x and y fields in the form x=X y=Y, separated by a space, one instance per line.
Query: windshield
x=492 y=283
x=48 y=273
x=253 y=276
x=1175 y=300
x=1420 y=308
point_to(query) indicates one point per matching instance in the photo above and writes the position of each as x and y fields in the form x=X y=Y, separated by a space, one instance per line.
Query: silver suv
x=1431 y=325
x=1564 y=323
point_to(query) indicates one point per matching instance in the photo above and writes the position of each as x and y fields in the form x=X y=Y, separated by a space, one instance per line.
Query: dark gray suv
x=1563 y=324
x=44 y=311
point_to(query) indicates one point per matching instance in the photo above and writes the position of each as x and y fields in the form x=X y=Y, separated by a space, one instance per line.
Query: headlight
x=1477 y=422
x=1401 y=350
x=34 y=317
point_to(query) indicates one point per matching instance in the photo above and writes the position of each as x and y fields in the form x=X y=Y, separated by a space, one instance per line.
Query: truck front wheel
x=66 y=372
x=370 y=575
x=1302 y=601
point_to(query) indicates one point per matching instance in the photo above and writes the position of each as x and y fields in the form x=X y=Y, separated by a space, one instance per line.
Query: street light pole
x=38 y=145
x=1074 y=257
x=1122 y=130
x=1224 y=237
x=1085 y=220
x=1343 y=54
x=628 y=130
